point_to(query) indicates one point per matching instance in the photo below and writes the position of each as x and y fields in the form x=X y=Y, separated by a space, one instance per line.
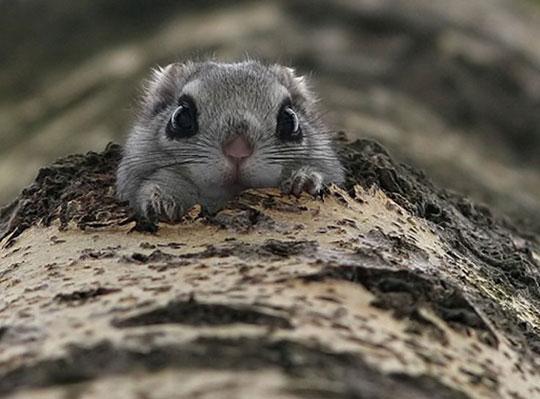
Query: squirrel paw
x=303 y=180
x=158 y=206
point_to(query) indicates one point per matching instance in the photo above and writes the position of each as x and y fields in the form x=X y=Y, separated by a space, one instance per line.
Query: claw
x=157 y=206
x=303 y=180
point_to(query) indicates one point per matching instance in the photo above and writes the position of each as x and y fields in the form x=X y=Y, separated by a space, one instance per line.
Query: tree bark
x=389 y=287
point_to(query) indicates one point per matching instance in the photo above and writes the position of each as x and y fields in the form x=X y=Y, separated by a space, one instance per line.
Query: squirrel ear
x=158 y=74
x=296 y=85
x=163 y=86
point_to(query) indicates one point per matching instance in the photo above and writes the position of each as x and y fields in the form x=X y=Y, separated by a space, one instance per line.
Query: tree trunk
x=390 y=287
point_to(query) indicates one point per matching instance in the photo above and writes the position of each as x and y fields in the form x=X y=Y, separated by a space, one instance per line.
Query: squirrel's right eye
x=288 y=126
x=183 y=121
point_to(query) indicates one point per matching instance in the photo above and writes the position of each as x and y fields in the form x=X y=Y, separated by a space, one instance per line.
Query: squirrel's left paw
x=303 y=180
x=155 y=205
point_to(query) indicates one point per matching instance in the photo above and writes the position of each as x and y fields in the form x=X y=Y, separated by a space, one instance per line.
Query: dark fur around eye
x=183 y=121
x=288 y=125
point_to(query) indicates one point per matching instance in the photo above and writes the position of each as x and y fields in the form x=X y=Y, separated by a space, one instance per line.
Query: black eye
x=183 y=121
x=288 y=126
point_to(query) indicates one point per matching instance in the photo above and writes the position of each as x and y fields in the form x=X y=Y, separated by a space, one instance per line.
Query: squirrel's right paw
x=303 y=180
x=155 y=205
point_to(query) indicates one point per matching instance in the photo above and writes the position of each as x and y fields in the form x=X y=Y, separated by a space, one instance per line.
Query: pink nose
x=238 y=148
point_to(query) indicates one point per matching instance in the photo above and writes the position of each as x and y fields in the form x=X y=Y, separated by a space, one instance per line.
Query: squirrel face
x=222 y=128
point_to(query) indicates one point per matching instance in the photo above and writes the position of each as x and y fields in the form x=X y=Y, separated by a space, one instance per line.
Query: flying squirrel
x=208 y=130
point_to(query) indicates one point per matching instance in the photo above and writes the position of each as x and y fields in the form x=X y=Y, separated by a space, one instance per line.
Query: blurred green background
x=452 y=87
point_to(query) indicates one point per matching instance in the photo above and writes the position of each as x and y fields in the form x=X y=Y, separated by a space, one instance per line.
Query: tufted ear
x=297 y=86
x=163 y=86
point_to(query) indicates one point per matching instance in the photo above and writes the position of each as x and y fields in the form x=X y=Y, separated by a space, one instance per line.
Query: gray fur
x=162 y=178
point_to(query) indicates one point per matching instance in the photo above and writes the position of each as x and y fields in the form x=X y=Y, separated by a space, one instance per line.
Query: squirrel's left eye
x=288 y=126
x=183 y=120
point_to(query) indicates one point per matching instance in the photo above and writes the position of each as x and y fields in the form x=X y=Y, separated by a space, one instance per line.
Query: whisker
x=157 y=164
x=303 y=158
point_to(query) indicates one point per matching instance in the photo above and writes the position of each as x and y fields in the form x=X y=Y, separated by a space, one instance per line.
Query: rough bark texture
x=389 y=288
